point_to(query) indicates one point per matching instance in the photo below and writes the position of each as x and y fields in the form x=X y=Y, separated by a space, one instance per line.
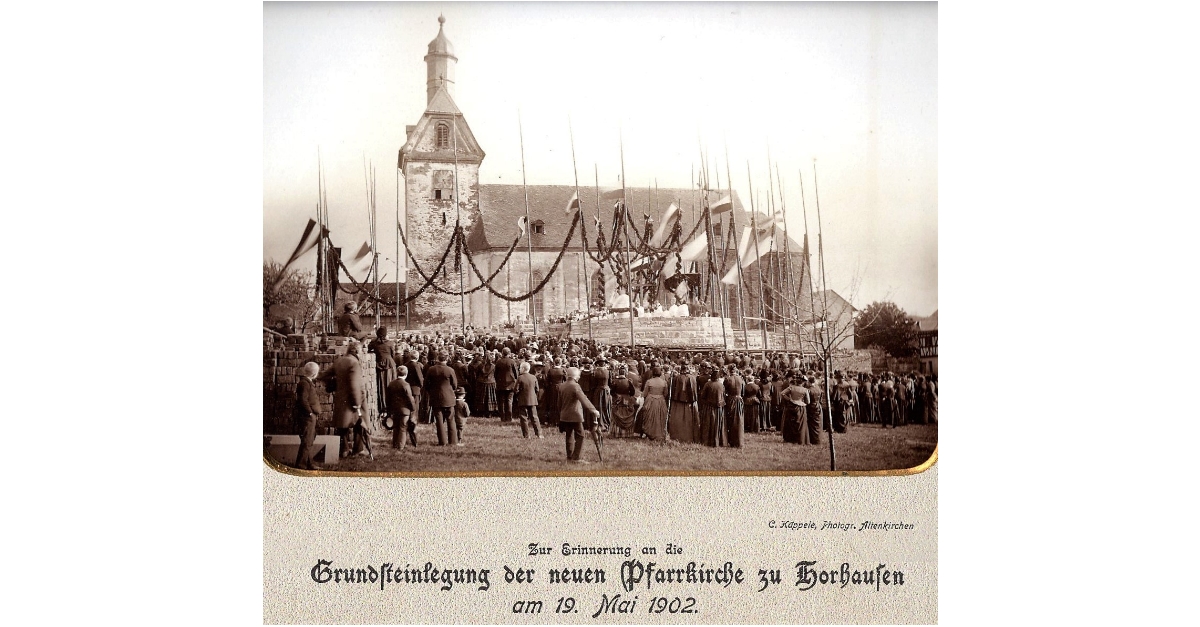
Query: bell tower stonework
x=439 y=151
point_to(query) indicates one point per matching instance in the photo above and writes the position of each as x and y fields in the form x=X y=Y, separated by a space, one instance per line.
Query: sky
x=851 y=86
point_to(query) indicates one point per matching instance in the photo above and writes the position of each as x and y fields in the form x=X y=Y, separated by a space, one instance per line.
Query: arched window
x=538 y=302
x=443 y=135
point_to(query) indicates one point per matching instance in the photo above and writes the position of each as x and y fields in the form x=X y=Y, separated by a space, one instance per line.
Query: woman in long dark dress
x=712 y=412
x=488 y=405
x=684 y=419
x=654 y=409
x=814 y=411
x=554 y=376
x=624 y=403
x=735 y=424
x=751 y=400
x=385 y=365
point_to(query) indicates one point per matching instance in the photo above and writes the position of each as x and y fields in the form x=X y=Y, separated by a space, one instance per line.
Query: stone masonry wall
x=281 y=372
x=428 y=235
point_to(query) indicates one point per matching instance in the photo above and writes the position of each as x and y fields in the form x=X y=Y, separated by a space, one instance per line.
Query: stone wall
x=282 y=364
x=666 y=332
x=429 y=227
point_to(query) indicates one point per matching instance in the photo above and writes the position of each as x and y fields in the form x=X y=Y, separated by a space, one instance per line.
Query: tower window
x=539 y=227
x=443 y=135
x=442 y=185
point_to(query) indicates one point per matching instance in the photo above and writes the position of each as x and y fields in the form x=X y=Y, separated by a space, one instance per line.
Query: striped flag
x=696 y=249
x=664 y=229
x=307 y=242
x=724 y=205
x=748 y=256
x=572 y=204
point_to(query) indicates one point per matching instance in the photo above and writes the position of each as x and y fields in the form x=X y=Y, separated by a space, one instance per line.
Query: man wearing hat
x=506 y=383
x=348 y=324
x=526 y=400
x=401 y=404
x=572 y=404
x=348 y=399
x=440 y=383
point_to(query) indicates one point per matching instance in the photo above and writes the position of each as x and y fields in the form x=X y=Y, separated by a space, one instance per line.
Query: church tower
x=439 y=63
x=439 y=151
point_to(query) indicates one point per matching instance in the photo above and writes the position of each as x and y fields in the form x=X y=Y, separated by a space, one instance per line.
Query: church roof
x=502 y=205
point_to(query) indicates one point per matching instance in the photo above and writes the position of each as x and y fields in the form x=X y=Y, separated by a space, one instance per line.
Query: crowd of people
x=709 y=397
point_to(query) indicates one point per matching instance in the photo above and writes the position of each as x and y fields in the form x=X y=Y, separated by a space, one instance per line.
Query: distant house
x=835 y=313
x=927 y=343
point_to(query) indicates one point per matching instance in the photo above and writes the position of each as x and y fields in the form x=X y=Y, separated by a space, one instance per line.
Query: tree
x=887 y=326
x=294 y=298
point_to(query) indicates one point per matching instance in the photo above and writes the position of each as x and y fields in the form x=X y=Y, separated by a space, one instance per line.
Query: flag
x=748 y=256
x=307 y=242
x=696 y=249
x=572 y=204
x=664 y=229
x=521 y=226
x=357 y=264
x=723 y=206
x=669 y=262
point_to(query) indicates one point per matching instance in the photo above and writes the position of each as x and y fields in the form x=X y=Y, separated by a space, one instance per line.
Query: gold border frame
x=899 y=472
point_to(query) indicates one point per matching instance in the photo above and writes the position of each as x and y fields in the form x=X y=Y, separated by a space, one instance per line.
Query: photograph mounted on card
x=619 y=240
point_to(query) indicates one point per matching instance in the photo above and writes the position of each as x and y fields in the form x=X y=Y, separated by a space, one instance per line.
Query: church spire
x=439 y=62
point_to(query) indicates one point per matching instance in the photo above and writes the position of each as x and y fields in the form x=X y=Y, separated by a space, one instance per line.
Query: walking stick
x=598 y=438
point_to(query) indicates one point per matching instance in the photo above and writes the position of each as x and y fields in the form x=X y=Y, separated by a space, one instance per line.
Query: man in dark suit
x=416 y=383
x=572 y=403
x=440 y=383
x=306 y=412
x=401 y=404
x=506 y=382
x=526 y=400
x=348 y=398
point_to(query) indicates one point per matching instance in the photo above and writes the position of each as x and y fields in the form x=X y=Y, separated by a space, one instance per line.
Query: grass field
x=491 y=446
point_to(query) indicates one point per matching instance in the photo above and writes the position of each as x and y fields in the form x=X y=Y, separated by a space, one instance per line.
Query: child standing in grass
x=461 y=411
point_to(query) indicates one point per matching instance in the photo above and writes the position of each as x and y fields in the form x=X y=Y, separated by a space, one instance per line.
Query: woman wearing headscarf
x=624 y=402
x=486 y=404
x=555 y=374
x=712 y=411
x=796 y=400
x=684 y=418
x=751 y=400
x=735 y=425
x=654 y=409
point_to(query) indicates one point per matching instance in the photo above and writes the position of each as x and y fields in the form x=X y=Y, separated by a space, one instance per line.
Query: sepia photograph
x=600 y=239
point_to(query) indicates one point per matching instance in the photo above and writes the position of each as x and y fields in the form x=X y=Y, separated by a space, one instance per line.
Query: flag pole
x=762 y=307
x=825 y=343
x=587 y=283
x=599 y=253
x=462 y=299
x=625 y=232
x=788 y=279
x=528 y=227
x=737 y=253
x=396 y=234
